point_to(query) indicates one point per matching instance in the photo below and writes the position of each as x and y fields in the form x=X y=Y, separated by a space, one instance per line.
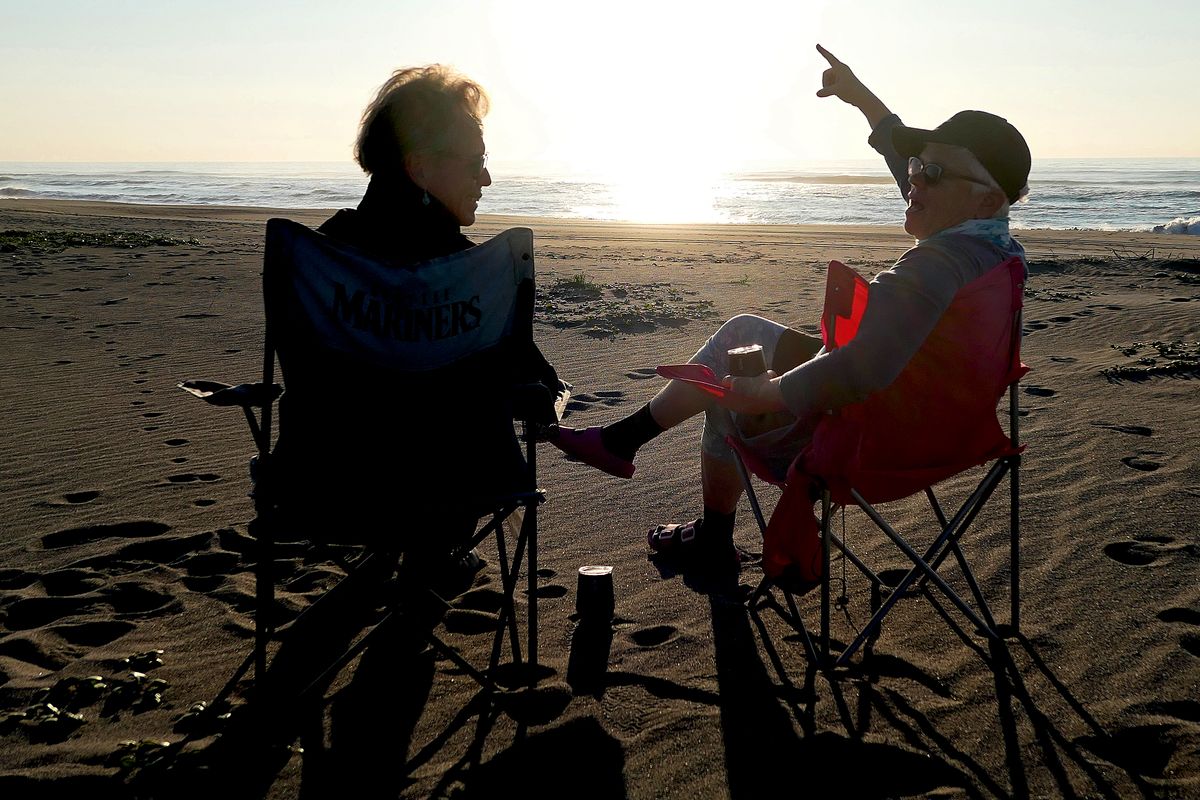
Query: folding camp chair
x=398 y=417
x=935 y=421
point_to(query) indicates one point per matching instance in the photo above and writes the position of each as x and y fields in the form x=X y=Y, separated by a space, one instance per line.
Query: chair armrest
x=244 y=395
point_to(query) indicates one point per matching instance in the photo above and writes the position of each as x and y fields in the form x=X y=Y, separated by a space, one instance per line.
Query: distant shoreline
x=1039 y=242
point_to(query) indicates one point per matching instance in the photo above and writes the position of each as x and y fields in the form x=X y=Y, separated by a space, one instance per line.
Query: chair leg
x=532 y=613
x=826 y=514
x=1014 y=483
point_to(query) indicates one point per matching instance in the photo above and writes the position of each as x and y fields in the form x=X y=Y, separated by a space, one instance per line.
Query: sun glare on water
x=655 y=102
x=658 y=193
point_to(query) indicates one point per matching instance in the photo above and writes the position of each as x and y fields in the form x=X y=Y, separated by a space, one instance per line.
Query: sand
x=124 y=531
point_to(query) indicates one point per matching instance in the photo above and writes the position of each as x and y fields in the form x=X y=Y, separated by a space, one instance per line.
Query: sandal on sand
x=585 y=444
x=673 y=539
x=682 y=541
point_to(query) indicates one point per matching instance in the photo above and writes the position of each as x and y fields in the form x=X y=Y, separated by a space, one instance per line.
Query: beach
x=124 y=531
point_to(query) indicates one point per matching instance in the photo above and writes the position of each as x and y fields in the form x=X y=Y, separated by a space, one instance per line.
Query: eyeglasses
x=933 y=173
x=475 y=164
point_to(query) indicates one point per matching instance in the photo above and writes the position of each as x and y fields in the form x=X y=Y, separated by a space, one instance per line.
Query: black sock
x=625 y=436
x=717 y=527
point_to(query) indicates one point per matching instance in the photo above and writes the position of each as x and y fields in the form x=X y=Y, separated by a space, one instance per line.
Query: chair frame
x=257 y=403
x=925 y=565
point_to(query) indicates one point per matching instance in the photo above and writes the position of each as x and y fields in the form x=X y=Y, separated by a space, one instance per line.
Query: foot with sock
x=610 y=448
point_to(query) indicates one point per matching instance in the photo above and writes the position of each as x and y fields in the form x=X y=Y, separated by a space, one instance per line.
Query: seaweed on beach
x=1156 y=359
x=41 y=242
x=605 y=311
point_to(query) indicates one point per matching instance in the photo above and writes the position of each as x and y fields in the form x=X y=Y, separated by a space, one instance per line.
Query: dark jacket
x=392 y=222
x=370 y=454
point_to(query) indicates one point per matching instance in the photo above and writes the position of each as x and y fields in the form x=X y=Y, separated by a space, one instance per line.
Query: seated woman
x=385 y=451
x=959 y=180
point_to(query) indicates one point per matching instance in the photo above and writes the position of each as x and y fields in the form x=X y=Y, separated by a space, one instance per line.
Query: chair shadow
x=895 y=770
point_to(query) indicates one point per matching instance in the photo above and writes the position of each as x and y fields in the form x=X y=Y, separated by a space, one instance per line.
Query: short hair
x=988 y=182
x=415 y=110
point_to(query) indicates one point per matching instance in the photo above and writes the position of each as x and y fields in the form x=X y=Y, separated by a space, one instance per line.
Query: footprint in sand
x=72 y=499
x=192 y=477
x=36 y=612
x=583 y=402
x=1133 y=430
x=32 y=652
x=1063 y=359
x=551 y=591
x=133 y=597
x=126 y=530
x=1040 y=391
x=654 y=636
x=176 y=442
x=1189 y=641
x=1036 y=325
x=1141 y=464
x=204 y=502
x=69 y=582
x=1145 y=551
x=545 y=573
x=642 y=374
x=1185 y=615
x=93 y=634
x=16 y=578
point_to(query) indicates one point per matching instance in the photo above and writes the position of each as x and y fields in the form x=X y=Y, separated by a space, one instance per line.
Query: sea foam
x=1188 y=225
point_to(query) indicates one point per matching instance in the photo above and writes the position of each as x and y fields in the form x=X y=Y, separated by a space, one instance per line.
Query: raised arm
x=840 y=81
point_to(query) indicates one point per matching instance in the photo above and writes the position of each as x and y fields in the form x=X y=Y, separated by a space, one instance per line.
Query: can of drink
x=746 y=362
x=594 y=598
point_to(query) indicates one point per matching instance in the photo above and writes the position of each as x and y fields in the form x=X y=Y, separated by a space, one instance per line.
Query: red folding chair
x=936 y=420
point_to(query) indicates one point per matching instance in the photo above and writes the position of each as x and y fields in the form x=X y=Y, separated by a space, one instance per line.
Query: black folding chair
x=396 y=430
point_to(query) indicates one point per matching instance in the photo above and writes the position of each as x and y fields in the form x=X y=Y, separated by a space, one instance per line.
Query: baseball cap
x=1000 y=147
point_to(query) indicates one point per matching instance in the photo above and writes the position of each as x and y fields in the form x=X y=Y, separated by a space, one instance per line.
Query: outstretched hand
x=841 y=82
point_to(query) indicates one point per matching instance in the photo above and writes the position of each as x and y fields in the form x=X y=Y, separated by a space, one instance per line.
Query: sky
x=616 y=87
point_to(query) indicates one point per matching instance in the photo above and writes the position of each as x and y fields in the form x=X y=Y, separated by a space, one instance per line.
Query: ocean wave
x=1189 y=226
x=851 y=180
x=16 y=191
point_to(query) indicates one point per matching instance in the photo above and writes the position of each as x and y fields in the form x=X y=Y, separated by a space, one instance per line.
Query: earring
x=425 y=199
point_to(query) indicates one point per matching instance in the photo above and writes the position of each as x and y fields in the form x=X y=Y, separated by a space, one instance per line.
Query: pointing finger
x=830 y=57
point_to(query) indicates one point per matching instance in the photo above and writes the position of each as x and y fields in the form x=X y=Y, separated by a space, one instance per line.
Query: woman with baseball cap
x=959 y=180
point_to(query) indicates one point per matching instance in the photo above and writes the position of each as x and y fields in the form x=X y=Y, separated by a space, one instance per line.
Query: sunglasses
x=933 y=173
x=475 y=164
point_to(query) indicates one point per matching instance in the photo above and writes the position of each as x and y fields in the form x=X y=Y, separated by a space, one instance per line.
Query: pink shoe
x=585 y=445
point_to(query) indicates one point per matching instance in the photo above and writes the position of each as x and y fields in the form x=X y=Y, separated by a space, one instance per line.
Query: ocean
x=1159 y=195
